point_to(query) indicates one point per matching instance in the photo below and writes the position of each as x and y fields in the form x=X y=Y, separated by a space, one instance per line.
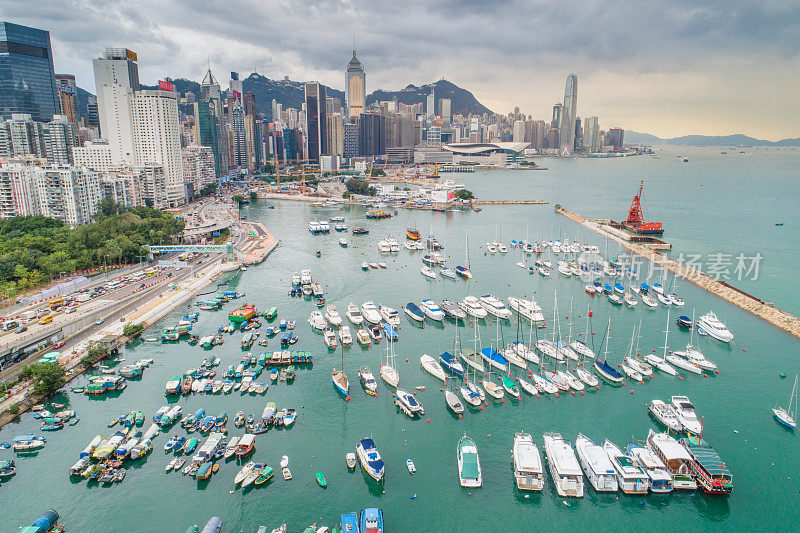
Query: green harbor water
x=713 y=204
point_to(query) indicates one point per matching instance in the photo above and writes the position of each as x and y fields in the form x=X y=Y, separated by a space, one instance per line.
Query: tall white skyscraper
x=591 y=133
x=355 y=86
x=430 y=106
x=116 y=77
x=519 y=131
x=566 y=134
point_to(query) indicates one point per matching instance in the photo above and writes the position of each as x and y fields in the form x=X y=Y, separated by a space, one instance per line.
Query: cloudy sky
x=667 y=67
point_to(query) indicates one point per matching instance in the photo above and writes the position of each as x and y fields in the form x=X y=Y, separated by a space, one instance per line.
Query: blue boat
x=645 y=288
x=684 y=321
x=618 y=287
x=607 y=289
x=350 y=523
x=372 y=520
x=286 y=338
x=598 y=287
x=607 y=371
x=370 y=459
x=44 y=523
x=389 y=331
x=494 y=358
x=451 y=363
x=413 y=311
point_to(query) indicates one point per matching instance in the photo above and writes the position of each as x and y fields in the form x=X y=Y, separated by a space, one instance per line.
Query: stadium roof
x=482 y=148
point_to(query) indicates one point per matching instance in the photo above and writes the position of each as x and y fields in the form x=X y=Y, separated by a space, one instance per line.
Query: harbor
x=738 y=426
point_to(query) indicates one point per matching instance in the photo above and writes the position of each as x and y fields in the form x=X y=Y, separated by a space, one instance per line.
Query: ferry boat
x=370 y=459
x=709 y=469
x=469 y=464
x=564 y=467
x=528 y=471
x=675 y=458
x=242 y=314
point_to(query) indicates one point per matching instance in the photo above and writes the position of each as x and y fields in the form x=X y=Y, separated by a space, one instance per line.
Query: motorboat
x=389 y=315
x=363 y=337
x=675 y=458
x=230 y=448
x=433 y=367
x=590 y=290
x=368 y=381
x=563 y=465
x=469 y=464
x=370 y=459
x=686 y=414
x=376 y=332
x=596 y=465
x=453 y=403
x=472 y=306
x=354 y=315
x=371 y=521
x=329 y=337
x=684 y=321
x=528 y=309
x=665 y=414
x=345 y=336
x=414 y=312
x=653 y=466
x=317 y=321
x=431 y=310
x=408 y=403
x=714 y=327
x=370 y=313
x=631 y=478
x=495 y=307
x=528 y=470
x=452 y=310
x=332 y=315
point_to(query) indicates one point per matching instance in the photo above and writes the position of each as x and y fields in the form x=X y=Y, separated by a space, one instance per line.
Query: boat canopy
x=706 y=457
x=247 y=440
x=469 y=465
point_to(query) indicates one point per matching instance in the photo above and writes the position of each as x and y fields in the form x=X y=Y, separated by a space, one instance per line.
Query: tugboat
x=412 y=234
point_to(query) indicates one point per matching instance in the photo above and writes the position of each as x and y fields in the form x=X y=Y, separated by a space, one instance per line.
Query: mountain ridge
x=736 y=139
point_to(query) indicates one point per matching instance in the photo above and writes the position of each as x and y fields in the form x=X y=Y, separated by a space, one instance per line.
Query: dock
x=510 y=202
x=748 y=302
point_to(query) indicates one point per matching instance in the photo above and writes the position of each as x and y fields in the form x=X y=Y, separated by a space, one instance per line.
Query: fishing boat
x=564 y=466
x=631 y=478
x=370 y=459
x=431 y=310
x=472 y=306
x=596 y=465
x=350 y=459
x=653 y=466
x=408 y=403
x=665 y=414
x=368 y=381
x=414 y=312
x=675 y=457
x=320 y=478
x=469 y=464
x=242 y=314
x=686 y=414
x=433 y=367
x=267 y=473
x=709 y=469
x=246 y=445
x=787 y=416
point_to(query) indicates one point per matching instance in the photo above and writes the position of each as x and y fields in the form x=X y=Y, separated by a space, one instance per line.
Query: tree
x=357 y=186
x=238 y=198
x=253 y=195
x=46 y=377
x=131 y=330
x=464 y=194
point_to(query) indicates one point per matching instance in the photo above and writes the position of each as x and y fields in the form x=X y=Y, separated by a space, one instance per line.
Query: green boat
x=509 y=386
x=190 y=445
x=266 y=475
x=320 y=477
x=271 y=313
x=139 y=419
x=243 y=314
x=204 y=472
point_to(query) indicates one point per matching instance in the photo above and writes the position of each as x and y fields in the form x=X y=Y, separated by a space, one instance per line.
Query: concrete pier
x=764 y=310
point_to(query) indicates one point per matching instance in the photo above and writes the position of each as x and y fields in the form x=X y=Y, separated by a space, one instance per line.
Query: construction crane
x=635 y=221
x=289 y=162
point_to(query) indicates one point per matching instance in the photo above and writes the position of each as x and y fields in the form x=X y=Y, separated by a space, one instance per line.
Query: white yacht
x=472 y=307
x=596 y=465
x=564 y=467
x=495 y=306
x=317 y=321
x=431 y=310
x=631 y=478
x=526 y=308
x=714 y=327
x=370 y=313
x=666 y=414
x=528 y=469
x=345 y=336
x=469 y=465
x=305 y=277
x=390 y=316
x=332 y=315
x=654 y=467
x=354 y=314
x=681 y=361
x=696 y=357
x=675 y=457
x=686 y=414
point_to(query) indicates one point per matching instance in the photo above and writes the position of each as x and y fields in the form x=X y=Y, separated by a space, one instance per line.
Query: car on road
x=69 y=310
x=98 y=322
x=22 y=329
x=59 y=344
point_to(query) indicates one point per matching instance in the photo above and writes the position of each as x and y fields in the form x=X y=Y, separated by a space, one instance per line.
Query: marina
x=738 y=426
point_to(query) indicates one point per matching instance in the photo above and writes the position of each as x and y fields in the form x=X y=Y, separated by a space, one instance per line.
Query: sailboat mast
x=666 y=336
x=607 y=340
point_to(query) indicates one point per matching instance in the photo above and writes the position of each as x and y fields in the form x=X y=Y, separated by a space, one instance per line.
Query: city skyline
x=668 y=75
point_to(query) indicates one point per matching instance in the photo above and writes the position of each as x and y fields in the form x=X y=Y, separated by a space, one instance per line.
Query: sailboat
x=694 y=355
x=676 y=300
x=495 y=360
x=580 y=346
x=659 y=362
x=388 y=371
x=787 y=416
x=450 y=397
x=464 y=271
x=471 y=392
x=339 y=377
x=629 y=369
x=602 y=366
x=677 y=359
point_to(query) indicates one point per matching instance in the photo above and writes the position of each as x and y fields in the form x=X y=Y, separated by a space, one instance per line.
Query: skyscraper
x=372 y=134
x=355 y=84
x=430 y=107
x=591 y=134
x=446 y=114
x=315 y=120
x=65 y=84
x=558 y=111
x=567 y=128
x=116 y=77
x=27 y=77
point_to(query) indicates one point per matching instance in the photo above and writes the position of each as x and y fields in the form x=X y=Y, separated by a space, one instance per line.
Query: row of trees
x=37 y=249
x=357 y=186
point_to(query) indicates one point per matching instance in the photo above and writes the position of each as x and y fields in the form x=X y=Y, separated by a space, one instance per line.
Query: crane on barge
x=635 y=221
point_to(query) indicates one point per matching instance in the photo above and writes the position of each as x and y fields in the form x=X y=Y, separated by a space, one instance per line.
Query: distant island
x=739 y=139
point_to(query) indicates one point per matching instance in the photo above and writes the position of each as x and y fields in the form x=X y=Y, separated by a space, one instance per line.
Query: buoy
x=503 y=400
x=481 y=408
x=406 y=359
x=680 y=378
x=459 y=417
x=582 y=393
x=556 y=395
x=429 y=420
x=642 y=382
x=347 y=399
x=441 y=389
x=631 y=391
x=598 y=387
x=573 y=393
x=538 y=396
x=623 y=383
